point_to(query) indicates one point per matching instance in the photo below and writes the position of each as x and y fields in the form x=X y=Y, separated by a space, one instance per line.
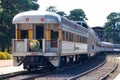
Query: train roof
x=107 y=43
x=36 y=17
x=117 y=45
x=48 y=17
x=73 y=26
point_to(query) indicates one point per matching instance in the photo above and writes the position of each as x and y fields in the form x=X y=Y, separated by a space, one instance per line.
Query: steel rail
x=75 y=77
x=111 y=71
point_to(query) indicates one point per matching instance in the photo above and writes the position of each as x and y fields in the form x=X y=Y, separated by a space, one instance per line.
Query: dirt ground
x=5 y=63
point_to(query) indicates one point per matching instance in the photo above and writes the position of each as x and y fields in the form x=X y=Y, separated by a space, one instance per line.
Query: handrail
x=41 y=41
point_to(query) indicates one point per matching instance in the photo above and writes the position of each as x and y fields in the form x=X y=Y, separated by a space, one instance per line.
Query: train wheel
x=76 y=59
x=71 y=60
x=83 y=58
x=29 y=69
x=63 y=61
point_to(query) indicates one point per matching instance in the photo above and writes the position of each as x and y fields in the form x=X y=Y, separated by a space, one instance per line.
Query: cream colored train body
x=47 y=39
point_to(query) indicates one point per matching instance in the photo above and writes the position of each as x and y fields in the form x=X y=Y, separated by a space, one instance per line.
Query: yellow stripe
x=30 y=35
x=47 y=34
x=59 y=34
x=17 y=34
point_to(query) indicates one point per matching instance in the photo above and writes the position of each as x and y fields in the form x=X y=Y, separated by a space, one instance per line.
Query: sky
x=96 y=10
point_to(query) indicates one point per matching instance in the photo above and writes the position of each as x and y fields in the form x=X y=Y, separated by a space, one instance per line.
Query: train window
x=92 y=46
x=71 y=36
x=84 y=25
x=24 y=34
x=67 y=36
x=54 y=37
x=63 y=35
x=83 y=39
x=79 y=23
x=39 y=32
x=75 y=38
x=79 y=38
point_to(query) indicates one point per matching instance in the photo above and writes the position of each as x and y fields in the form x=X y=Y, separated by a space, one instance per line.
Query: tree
x=112 y=27
x=9 y=9
x=0 y=7
x=54 y=9
x=4 y=38
x=51 y=9
x=77 y=15
x=61 y=13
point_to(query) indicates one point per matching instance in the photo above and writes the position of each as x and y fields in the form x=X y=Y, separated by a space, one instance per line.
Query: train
x=46 y=39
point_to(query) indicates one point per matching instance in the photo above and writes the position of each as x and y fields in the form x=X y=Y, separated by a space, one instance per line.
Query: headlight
x=34 y=44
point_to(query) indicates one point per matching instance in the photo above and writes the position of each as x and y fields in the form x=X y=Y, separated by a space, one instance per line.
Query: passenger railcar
x=106 y=47
x=47 y=39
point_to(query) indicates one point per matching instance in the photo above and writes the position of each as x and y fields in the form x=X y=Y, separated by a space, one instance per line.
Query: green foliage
x=5 y=55
x=8 y=9
x=112 y=27
x=61 y=13
x=8 y=55
x=77 y=15
x=2 y=56
x=54 y=9
x=1 y=10
x=51 y=9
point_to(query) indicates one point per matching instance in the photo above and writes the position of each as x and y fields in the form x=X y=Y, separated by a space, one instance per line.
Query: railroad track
x=5 y=76
x=100 y=72
x=80 y=71
x=68 y=74
x=25 y=75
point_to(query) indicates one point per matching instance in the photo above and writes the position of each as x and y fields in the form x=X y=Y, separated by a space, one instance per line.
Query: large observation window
x=24 y=34
x=54 y=37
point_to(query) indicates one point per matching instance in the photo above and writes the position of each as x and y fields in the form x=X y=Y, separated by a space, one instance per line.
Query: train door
x=40 y=34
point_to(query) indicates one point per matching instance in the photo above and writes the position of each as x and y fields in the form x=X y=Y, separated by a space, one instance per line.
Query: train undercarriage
x=37 y=62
